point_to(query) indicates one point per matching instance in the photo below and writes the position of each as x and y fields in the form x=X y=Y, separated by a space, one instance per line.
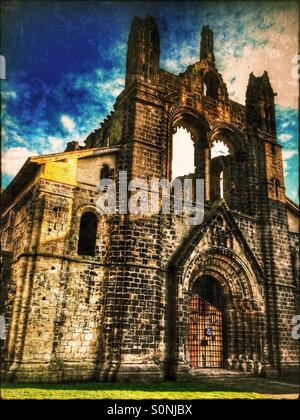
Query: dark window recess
x=273 y=149
x=295 y=267
x=276 y=184
x=105 y=172
x=211 y=85
x=87 y=234
x=150 y=72
x=152 y=37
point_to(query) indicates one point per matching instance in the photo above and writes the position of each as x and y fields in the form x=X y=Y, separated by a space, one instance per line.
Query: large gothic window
x=87 y=234
x=183 y=161
x=218 y=152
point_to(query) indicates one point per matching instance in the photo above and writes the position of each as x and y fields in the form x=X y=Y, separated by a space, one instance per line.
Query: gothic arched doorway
x=206 y=323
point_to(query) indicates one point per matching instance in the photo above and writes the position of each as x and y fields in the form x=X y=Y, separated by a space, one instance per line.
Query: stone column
x=202 y=158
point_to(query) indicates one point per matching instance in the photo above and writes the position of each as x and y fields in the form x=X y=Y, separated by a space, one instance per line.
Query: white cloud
x=180 y=58
x=10 y=94
x=285 y=137
x=110 y=85
x=57 y=144
x=286 y=155
x=67 y=122
x=14 y=158
x=219 y=149
x=114 y=87
x=171 y=65
x=285 y=168
x=276 y=57
x=285 y=124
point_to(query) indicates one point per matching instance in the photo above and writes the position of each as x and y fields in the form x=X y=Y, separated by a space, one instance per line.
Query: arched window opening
x=221 y=185
x=211 y=85
x=206 y=310
x=87 y=234
x=152 y=37
x=219 y=148
x=273 y=149
x=276 y=185
x=105 y=172
x=219 y=151
x=183 y=161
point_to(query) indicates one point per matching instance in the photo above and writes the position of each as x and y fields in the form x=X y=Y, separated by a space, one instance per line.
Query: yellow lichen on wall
x=61 y=171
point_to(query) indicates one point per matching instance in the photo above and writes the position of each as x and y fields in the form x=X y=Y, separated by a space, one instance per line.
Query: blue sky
x=65 y=64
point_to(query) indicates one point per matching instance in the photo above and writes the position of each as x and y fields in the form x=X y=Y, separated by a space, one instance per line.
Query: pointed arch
x=231 y=137
x=211 y=84
x=243 y=308
x=234 y=274
x=233 y=165
x=198 y=127
x=207 y=255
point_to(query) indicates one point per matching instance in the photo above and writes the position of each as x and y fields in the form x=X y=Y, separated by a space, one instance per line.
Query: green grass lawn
x=166 y=390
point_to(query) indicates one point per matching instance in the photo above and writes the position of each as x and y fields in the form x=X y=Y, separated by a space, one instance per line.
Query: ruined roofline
x=143 y=68
x=291 y=204
x=162 y=71
x=30 y=169
x=140 y=42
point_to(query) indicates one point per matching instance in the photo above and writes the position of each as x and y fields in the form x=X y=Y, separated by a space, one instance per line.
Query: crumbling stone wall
x=122 y=313
x=56 y=295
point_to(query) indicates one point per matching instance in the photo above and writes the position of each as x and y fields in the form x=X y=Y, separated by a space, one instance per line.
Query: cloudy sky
x=66 y=65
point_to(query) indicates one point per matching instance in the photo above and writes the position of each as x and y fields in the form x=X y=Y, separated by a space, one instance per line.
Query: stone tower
x=280 y=283
x=207 y=45
x=141 y=296
x=142 y=61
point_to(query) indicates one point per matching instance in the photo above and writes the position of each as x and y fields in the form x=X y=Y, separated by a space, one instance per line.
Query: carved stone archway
x=245 y=333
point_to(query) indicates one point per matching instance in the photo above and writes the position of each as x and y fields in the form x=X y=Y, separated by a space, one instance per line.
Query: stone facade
x=121 y=312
